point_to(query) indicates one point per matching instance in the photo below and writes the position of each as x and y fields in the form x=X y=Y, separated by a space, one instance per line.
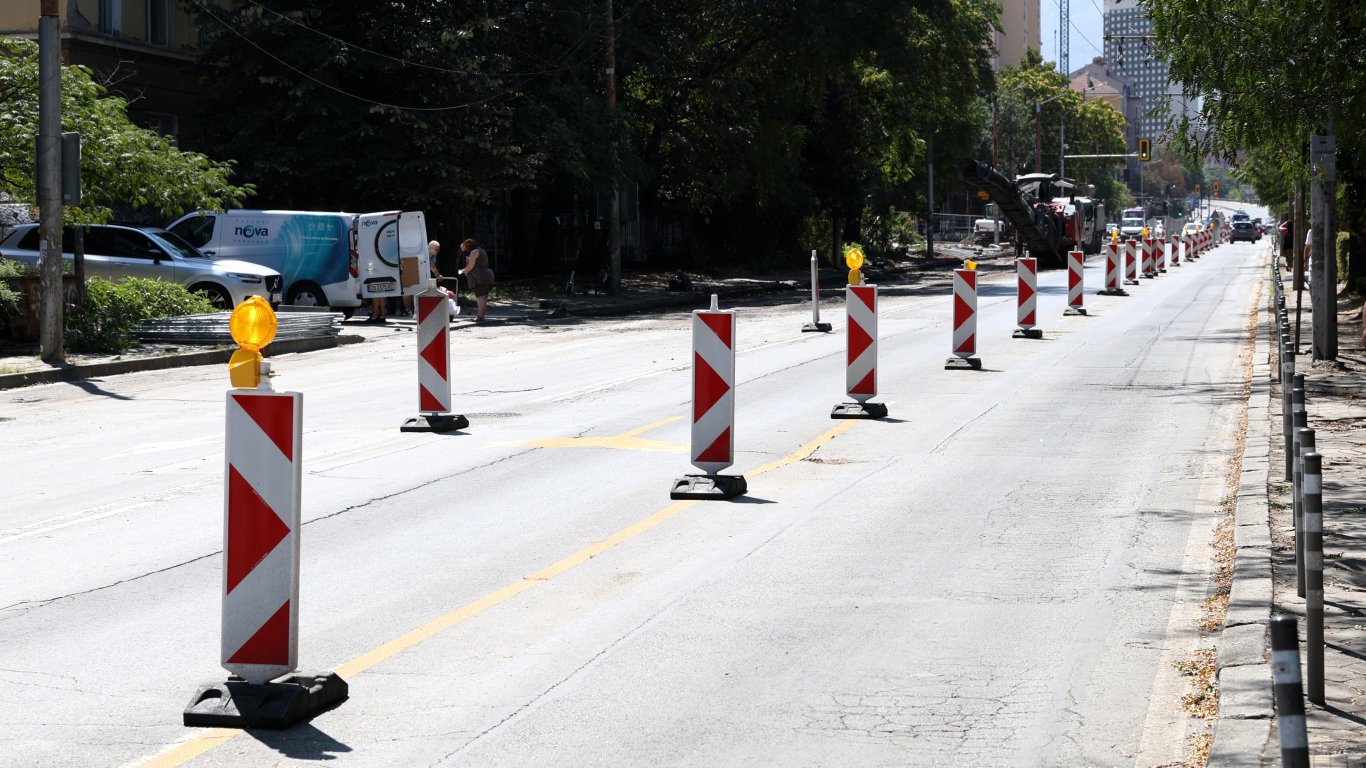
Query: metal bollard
x=1285 y=676
x=1304 y=443
x=1313 y=574
x=1296 y=484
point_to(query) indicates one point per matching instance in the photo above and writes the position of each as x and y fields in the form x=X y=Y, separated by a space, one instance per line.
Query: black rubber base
x=816 y=328
x=859 y=411
x=708 y=487
x=278 y=704
x=1115 y=292
x=1149 y=275
x=1074 y=311
x=1130 y=281
x=1027 y=333
x=963 y=363
x=435 y=422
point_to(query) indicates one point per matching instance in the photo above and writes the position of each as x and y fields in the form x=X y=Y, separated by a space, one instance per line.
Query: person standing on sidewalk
x=479 y=274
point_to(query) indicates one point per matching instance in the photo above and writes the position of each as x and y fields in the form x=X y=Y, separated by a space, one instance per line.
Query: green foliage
x=9 y=298
x=113 y=310
x=121 y=164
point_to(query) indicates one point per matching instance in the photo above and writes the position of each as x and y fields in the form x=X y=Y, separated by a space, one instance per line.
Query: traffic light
x=1197 y=189
x=1216 y=187
x=1145 y=149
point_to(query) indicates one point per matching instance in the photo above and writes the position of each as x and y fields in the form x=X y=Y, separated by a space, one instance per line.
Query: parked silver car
x=116 y=252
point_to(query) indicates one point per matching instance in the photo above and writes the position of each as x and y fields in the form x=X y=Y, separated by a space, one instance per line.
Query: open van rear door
x=392 y=249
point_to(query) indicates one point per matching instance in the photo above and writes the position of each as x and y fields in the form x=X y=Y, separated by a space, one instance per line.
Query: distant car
x=1244 y=230
x=1190 y=228
x=1132 y=227
x=1240 y=216
x=117 y=253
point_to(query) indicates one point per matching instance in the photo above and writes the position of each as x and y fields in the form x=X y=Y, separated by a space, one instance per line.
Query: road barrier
x=1026 y=298
x=1130 y=262
x=713 y=408
x=964 y=321
x=1313 y=573
x=1160 y=254
x=261 y=527
x=860 y=345
x=815 y=326
x=1112 y=272
x=1298 y=422
x=1076 y=283
x=1149 y=270
x=433 y=367
x=1285 y=676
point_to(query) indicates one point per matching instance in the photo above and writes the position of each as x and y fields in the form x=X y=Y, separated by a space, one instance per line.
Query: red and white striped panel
x=433 y=353
x=1112 y=266
x=1076 y=281
x=713 y=390
x=1026 y=291
x=965 y=312
x=1130 y=259
x=1161 y=254
x=1178 y=247
x=1148 y=256
x=860 y=342
x=260 y=539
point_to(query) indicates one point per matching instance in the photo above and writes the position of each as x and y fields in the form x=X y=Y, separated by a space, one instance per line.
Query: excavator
x=1049 y=218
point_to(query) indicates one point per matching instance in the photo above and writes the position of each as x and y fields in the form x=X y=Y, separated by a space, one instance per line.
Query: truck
x=1044 y=227
x=1090 y=232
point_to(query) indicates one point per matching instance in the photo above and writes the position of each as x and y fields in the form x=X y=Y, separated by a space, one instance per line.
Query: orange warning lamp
x=970 y=264
x=252 y=325
x=853 y=256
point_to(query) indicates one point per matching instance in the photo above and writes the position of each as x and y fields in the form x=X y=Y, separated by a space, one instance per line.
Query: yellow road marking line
x=207 y=740
x=626 y=441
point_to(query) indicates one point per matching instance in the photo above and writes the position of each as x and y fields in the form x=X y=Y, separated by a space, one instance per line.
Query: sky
x=1087 y=31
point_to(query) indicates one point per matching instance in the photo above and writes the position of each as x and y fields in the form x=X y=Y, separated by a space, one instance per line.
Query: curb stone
x=162 y=362
x=1243 y=727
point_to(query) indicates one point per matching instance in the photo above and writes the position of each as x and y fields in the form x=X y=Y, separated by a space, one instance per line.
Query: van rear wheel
x=306 y=294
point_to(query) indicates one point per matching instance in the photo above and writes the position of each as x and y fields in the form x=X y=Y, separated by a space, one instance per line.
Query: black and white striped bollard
x=1285 y=676
x=1297 y=395
x=1304 y=445
x=1313 y=575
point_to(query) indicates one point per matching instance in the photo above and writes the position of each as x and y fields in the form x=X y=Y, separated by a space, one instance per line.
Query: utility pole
x=929 y=199
x=49 y=178
x=614 y=208
x=1323 y=264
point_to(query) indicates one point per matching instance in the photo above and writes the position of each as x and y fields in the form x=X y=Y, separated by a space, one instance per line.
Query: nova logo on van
x=249 y=231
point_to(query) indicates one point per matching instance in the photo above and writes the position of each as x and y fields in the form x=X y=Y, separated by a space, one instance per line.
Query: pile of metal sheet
x=213 y=329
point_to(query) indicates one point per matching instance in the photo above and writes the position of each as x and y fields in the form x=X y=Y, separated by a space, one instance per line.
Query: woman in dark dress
x=479 y=274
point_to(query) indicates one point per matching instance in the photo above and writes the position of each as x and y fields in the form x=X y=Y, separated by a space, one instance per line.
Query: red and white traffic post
x=1174 y=247
x=1027 y=298
x=1160 y=254
x=1076 y=283
x=1112 y=274
x=860 y=345
x=1149 y=272
x=1130 y=262
x=964 y=321
x=713 y=408
x=261 y=528
x=433 y=367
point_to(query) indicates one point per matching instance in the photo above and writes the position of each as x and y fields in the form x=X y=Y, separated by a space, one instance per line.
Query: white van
x=313 y=251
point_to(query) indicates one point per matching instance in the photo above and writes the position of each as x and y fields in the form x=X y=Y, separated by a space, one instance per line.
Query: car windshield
x=176 y=244
x=1133 y=222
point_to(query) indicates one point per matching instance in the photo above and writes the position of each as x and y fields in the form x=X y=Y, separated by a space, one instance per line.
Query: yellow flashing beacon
x=253 y=325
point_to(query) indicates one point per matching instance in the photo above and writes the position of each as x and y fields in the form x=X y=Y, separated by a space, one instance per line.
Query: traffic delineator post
x=860 y=370
x=1149 y=271
x=1027 y=298
x=1160 y=254
x=261 y=528
x=1112 y=272
x=964 y=321
x=815 y=326
x=1130 y=262
x=713 y=408
x=433 y=367
x=1076 y=283
x=1175 y=249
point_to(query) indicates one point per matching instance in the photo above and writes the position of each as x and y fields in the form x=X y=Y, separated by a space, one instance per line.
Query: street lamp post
x=1038 y=130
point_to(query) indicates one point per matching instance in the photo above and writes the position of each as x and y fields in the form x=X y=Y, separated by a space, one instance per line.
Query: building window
x=160 y=22
x=111 y=16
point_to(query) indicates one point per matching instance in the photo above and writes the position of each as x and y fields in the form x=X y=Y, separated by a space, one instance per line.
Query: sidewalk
x=1264 y=568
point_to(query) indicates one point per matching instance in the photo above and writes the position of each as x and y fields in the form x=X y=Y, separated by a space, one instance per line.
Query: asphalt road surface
x=1003 y=572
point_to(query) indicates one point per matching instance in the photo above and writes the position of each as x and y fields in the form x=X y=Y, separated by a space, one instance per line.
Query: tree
x=121 y=164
